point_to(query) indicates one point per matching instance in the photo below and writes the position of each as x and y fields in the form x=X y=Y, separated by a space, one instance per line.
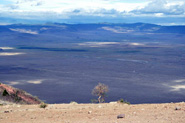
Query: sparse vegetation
x=17 y=98
x=123 y=101
x=43 y=105
x=94 y=100
x=5 y=93
x=100 y=90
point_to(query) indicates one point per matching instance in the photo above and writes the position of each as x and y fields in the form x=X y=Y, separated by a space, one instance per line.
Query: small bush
x=94 y=101
x=43 y=105
x=5 y=93
x=122 y=101
x=16 y=97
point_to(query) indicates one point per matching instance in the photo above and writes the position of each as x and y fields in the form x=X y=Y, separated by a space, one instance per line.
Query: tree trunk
x=99 y=99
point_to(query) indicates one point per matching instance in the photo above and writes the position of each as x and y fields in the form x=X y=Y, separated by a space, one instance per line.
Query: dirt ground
x=94 y=113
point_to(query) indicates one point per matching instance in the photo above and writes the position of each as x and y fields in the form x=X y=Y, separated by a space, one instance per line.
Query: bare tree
x=100 y=90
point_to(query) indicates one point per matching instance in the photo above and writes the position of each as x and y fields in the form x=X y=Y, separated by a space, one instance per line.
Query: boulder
x=121 y=116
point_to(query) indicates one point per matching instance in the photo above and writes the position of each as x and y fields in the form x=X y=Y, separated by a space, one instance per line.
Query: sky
x=164 y=12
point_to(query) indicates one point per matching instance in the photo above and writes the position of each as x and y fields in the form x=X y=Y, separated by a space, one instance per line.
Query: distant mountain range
x=119 y=28
x=61 y=32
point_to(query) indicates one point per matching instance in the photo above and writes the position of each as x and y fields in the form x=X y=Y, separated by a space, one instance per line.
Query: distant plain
x=60 y=63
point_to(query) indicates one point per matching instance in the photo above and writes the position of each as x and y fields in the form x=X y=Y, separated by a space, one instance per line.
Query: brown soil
x=94 y=113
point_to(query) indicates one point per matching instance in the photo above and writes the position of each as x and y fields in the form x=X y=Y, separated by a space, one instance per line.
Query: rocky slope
x=10 y=95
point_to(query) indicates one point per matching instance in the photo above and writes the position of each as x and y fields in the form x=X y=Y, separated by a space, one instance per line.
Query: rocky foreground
x=94 y=113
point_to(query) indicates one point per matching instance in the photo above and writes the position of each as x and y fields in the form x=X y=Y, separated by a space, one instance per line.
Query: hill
x=50 y=34
x=12 y=95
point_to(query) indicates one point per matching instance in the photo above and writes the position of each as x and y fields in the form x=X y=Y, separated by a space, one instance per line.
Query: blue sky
x=166 y=12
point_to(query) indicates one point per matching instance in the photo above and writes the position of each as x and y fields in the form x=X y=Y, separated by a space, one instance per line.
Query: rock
x=99 y=106
x=121 y=116
x=112 y=102
x=18 y=106
x=89 y=112
x=73 y=103
x=6 y=111
x=178 y=108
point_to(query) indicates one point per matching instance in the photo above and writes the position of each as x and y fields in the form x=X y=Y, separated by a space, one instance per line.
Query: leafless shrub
x=100 y=90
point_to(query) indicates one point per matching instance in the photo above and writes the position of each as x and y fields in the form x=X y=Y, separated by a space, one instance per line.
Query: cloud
x=99 y=10
x=40 y=3
x=161 y=8
x=63 y=5
x=101 y=7
x=12 y=7
x=26 y=1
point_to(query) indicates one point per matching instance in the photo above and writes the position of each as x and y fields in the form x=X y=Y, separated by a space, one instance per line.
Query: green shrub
x=43 y=105
x=16 y=97
x=123 y=101
x=5 y=93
